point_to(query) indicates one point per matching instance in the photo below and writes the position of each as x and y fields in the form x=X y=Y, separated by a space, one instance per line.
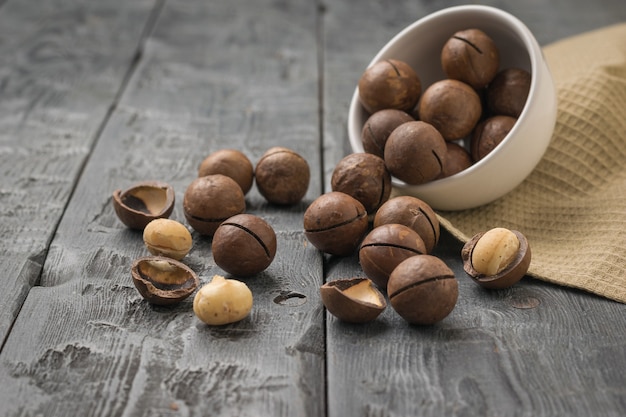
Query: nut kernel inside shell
x=353 y=300
x=507 y=277
x=494 y=251
x=163 y=281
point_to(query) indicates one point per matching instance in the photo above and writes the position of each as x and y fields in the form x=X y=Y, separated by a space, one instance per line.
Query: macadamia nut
x=222 y=301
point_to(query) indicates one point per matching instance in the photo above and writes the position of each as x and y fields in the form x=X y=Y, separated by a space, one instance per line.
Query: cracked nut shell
x=353 y=300
x=385 y=247
x=335 y=223
x=365 y=177
x=389 y=84
x=471 y=56
x=244 y=245
x=423 y=290
x=210 y=200
x=143 y=202
x=507 y=277
x=163 y=281
x=415 y=153
x=414 y=213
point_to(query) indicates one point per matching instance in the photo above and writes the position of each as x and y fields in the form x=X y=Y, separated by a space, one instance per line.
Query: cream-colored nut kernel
x=166 y=237
x=494 y=251
x=222 y=301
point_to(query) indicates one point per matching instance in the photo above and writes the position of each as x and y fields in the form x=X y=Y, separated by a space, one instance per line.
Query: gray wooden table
x=95 y=95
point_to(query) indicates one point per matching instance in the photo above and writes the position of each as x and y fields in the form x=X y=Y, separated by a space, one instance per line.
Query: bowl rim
x=532 y=48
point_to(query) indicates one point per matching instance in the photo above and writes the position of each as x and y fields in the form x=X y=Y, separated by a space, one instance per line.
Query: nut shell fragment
x=163 y=281
x=143 y=202
x=353 y=300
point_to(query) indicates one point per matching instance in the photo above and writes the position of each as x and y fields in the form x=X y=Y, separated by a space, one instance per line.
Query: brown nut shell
x=457 y=159
x=365 y=177
x=508 y=92
x=452 y=107
x=379 y=126
x=414 y=213
x=506 y=278
x=232 y=163
x=143 y=202
x=389 y=84
x=471 y=56
x=353 y=300
x=244 y=245
x=282 y=176
x=335 y=223
x=415 y=153
x=488 y=134
x=385 y=247
x=423 y=290
x=210 y=200
x=163 y=281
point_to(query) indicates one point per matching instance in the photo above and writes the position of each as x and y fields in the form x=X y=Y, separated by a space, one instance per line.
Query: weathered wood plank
x=535 y=349
x=61 y=65
x=213 y=74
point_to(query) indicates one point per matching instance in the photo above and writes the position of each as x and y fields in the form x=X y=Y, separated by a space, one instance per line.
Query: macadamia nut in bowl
x=420 y=45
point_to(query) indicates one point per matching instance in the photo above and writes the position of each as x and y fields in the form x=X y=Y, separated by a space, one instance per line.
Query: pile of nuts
x=412 y=136
x=418 y=138
x=454 y=123
x=242 y=244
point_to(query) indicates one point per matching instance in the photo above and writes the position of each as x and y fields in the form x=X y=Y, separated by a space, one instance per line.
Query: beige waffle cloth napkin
x=572 y=208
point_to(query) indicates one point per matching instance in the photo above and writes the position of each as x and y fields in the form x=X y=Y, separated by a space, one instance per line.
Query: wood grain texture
x=533 y=350
x=212 y=75
x=246 y=75
x=61 y=65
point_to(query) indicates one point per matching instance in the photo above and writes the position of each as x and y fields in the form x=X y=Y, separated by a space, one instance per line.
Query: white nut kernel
x=165 y=237
x=494 y=251
x=222 y=301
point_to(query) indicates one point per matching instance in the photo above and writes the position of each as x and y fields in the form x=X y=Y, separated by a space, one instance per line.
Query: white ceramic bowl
x=516 y=156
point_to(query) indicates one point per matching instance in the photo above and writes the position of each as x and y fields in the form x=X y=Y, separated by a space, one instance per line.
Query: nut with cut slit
x=365 y=177
x=143 y=202
x=244 y=245
x=335 y=223
x=353 y=300
x=385 y=247
x=163 y=281
x=496 y=259
x=414 y=213
x=423 y=290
